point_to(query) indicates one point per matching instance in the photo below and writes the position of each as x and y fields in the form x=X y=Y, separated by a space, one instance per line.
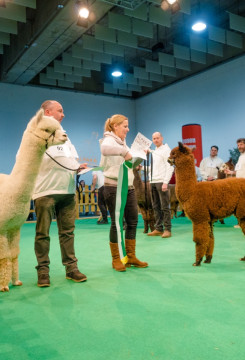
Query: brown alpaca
x=205 y=202
x=143 y=196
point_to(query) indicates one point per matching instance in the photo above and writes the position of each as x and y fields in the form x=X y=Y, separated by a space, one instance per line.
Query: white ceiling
x=41 y=43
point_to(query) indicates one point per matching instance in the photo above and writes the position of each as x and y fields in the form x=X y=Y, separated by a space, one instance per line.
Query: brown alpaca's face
x=178 y=153
x=173 y=155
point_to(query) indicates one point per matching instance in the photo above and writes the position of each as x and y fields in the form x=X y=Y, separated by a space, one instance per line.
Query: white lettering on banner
x=189 y=141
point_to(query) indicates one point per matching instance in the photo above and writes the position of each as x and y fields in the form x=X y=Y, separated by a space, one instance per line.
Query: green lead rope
x=121 y=199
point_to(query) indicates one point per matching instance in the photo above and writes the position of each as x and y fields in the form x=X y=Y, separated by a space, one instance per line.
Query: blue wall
x=214 y=99
x=84 y=120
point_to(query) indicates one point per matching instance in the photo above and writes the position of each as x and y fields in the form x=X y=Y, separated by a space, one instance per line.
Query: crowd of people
x=55 y=194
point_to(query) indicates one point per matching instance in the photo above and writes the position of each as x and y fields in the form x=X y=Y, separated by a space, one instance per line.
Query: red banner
x=192 y=137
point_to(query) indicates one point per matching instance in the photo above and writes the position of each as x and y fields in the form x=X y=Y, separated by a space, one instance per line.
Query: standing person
x=239 y=168
x=54 y=193
x=114 y=152
x=210 y=165
x=98 y=179
x=161 y=173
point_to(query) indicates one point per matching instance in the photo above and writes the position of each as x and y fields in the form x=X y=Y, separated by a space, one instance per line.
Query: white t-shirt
x=100 y=178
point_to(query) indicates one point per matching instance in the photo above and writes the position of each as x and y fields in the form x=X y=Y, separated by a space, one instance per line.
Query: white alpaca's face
x=48 y=129
x=51 y=130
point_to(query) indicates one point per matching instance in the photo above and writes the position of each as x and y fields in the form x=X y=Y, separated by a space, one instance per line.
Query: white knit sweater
x=113 y=150
x=162 y=170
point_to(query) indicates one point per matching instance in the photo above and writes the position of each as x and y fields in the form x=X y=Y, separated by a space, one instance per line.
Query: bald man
x=54 y=194
x=161 y=173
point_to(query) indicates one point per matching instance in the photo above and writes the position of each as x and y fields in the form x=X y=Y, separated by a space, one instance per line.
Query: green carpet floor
x=169 y=311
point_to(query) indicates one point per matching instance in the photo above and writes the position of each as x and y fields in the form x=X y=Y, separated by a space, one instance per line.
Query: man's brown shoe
x=76 y=276
x=166 y=234
x=155 y=233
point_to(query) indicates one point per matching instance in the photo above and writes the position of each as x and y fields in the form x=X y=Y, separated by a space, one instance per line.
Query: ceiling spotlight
x=173 y=5
x=83 y=13
x=116 y=73
x=199 y=26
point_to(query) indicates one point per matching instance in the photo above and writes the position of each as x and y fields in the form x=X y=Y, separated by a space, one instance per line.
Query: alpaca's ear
x=193 y=149
x=182 y=148
x=39 y=115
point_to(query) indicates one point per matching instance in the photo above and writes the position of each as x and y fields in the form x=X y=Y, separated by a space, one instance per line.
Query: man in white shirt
x=161 y=172
x=240 y=167
x=54 y=193
x=210 y=165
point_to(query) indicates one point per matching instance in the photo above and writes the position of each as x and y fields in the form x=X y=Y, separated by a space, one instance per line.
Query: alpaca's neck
x=185 y=180
x=28 y=161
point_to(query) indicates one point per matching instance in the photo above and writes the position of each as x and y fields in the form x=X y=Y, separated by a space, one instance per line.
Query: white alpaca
x=16 y=190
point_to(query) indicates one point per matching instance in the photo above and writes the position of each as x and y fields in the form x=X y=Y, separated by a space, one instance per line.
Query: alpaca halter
x=46 y=140
x=46 y=146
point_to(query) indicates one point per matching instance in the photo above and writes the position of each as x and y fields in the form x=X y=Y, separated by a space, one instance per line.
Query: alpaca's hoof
x=17 y=283
x=4 y=288
x=208 y=259
x=196 y=264
x=243 y=258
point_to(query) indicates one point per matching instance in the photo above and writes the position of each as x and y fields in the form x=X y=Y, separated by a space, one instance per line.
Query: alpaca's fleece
x=144 y=201
x=205 y=202
x=16 y=190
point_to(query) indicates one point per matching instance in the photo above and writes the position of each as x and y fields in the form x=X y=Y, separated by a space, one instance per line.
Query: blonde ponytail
x=115 y=119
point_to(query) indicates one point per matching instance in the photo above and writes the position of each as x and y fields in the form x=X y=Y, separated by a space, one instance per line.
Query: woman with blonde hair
x=114 y=152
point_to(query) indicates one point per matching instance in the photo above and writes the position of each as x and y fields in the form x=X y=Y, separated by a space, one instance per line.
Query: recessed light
x=199 y=26
x=116 y=73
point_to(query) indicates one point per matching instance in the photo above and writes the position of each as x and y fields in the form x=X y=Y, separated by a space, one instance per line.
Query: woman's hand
x=128 y=156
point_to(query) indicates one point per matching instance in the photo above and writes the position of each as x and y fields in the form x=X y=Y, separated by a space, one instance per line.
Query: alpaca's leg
x=241 y=222
x=201 y=238
x=15 y=272
x=210 y=248
x=151 y=219
x=144 y=217
x=14 y=251
x=146 y=226
x=5 y=277
x=172 y=211
x=4 y=274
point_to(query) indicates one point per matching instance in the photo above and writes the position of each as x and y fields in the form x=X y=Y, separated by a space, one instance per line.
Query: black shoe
x=76 y=276
x=43 y=280
x=101 y=222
